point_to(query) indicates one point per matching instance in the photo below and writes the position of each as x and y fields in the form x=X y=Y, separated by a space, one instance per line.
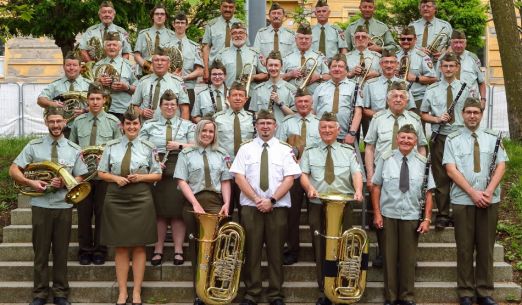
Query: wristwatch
x=273 y=200
x=417 y=78
x=180 y=147
x=352 y=133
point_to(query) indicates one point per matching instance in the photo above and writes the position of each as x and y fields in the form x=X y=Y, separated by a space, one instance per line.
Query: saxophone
x=346 y=255
x=46 y=171
x=91 y=156
x=220 y=256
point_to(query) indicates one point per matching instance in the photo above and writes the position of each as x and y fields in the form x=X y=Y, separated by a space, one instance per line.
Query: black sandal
x=178 y=262
x=156 y=262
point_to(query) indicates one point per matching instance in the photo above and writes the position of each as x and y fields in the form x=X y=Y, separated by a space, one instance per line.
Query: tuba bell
x=219 y=257
x=91 y=157
x=46 y=171
x=346 y=255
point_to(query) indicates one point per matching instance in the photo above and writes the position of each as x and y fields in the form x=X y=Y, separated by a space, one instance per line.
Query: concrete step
x=106 y=291
x=298 y=272
x=426 y=252
x=23 y=233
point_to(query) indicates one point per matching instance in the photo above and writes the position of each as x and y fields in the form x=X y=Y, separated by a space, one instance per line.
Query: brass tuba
x=91 y=157
x=220 y=256
x=72 y=100
x=346 y=255
x=46 y=171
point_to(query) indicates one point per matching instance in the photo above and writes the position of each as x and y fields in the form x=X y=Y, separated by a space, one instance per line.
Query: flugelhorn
x=306 y=73
x=46 y=171
x=404 y=68
x=377 y=40
x=219 y=259
x=346 y=254
x=246 y=78
x=439 y=42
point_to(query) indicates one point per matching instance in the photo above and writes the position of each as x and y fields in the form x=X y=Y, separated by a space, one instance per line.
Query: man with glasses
x=428 y=27
x=149 y=39
x=212 y=99
x=275 y=36
x=362 y=58
x=217 y=34
x=420 y=67
x=327 y=38
x=475 y=200
x=375 y=28
x=436 y=110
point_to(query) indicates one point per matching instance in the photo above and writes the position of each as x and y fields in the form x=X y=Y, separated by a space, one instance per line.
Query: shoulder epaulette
x=222 y=51
x=387 y=154
x=212 y=21
x=347 y=146
x=376 y=53
x=380 y=22
x=474 y=56
x=74 y=145
x=413 y=115
x=372 y=80
x=421 y=157
x=432 y=86
x=92 y=27
x=288 y=117
x=491 y=132
x=444 y=21
x=258 y=86
x=284 y=143
x=112 y=117
x=80 y=117
x=120 y=29
x=290 y=86
x=128 y=62
x=112 y=142
x=454 y=134
x=56 y=80
x=222 y=151
x=250 y=113
x=288 y=30
x=353 y=23
x=379 y=113
x=421 y=53
x=263 y=29
x=146 y=76
x=36 y=141
x=143 y=31
x=148 y=143
x=188 y=149
x=176 y=77
x=149 y=122
x=256 y=51
x=246 y=142
x=218 y=113
x=193 y=43
x=336 y=27
x=311 y=146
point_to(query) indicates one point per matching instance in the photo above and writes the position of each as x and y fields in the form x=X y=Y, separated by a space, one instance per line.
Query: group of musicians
x=170 y=152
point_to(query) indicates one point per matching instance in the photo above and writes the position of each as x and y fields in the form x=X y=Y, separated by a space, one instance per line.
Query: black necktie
x=404 y=180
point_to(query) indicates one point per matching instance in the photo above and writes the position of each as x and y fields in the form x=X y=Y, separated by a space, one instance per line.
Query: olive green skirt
x=129 y=217
x=168 y=200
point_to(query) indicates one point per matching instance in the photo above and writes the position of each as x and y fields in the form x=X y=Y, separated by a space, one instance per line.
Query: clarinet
x=150 y=96
x=424 y=187
x=212 y=97
x=492 y=165
x=352 y=104
x=451 y=109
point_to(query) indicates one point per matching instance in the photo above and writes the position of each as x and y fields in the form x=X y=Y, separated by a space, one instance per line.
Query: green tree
x=63 y=20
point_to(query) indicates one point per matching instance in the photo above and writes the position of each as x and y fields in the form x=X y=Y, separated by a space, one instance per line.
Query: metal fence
x=20 y=115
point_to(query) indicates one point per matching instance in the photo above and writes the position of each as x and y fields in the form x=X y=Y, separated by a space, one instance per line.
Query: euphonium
x=220 y=256
x=346 y=255
x=46 y=171
x=91 y=157
x=72 y=100
x=439 y=42
x=306 y=73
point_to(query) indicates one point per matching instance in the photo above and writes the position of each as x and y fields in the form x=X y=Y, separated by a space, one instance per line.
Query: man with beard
x=100 y=30
x=51 y=215
x=265 y=201
x=274 y=95
x=275 y=37
x=217 y=34
x=238 y=55
x=120 y=85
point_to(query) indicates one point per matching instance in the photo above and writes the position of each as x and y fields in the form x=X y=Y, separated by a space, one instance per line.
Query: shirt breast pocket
x=464 y=161
x=391 y=179
x=317 y=170
x=105 y=135
x=385 y=134
x=194 y=174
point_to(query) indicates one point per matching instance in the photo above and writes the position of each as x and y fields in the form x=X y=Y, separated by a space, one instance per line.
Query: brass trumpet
x=439 y=42
x=302 y=82
x=46 y=171
x=246 y=78
x=362 y=79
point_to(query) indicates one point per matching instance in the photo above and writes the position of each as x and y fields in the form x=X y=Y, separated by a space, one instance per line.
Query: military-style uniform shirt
x=225 y=128
x=206 y=103
x=435 y=103
x=248 y=56
x=144 y=157
x=146 y=86
x=97 y=31
x=261 y=97
x=375 y=91
x=155 y=131
x=145 y=43
x=381 y=130
x=190 y=168
x=281 y=163
x=420 y=65
x=291 y=125
x=394 y=203
x=323 y=101
x=470 y=72
x=264 y=41
x=377 y=29
x=345 y=165
x=435 y=27
x=191 y=57
x=120 y=100
x=39 y=150
x=458 y=150
x=334 y=39
x=62 y=85
x=370 y=57
x=293 y=61
x=107 y=128
x=215 y=34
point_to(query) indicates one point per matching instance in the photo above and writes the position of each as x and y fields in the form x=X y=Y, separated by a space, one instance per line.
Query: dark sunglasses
x=406 y=38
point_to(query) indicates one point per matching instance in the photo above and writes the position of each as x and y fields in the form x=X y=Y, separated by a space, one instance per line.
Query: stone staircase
x=435 y=275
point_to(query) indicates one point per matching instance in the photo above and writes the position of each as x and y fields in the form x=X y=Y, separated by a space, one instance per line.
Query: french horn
x=72 y=100
x=91 y=157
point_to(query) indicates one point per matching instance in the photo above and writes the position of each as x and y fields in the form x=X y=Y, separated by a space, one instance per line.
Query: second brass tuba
x=219 y=257
x=47 y=170
x=346 y=255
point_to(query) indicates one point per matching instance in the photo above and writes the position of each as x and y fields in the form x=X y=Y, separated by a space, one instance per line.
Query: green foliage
x=300 y=14
x=9 y=149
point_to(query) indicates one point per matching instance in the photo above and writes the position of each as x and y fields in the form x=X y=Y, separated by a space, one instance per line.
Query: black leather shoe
x=198 y=301
x=98 y=259
x=38 y=301
x=441 y=223
x=85 y=259
x=61 y=301
x=378 y=261
x=388 y=303
x=289 y=259
x=466 y=301
x=247 y=302
x=323 y=301
x=406 y=303
x=486 y=301
x=277 y=302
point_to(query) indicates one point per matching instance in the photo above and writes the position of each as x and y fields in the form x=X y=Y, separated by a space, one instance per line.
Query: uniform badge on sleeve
x=156 y=155
x=228 y=162
x=341 y=34
x=429 y=62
